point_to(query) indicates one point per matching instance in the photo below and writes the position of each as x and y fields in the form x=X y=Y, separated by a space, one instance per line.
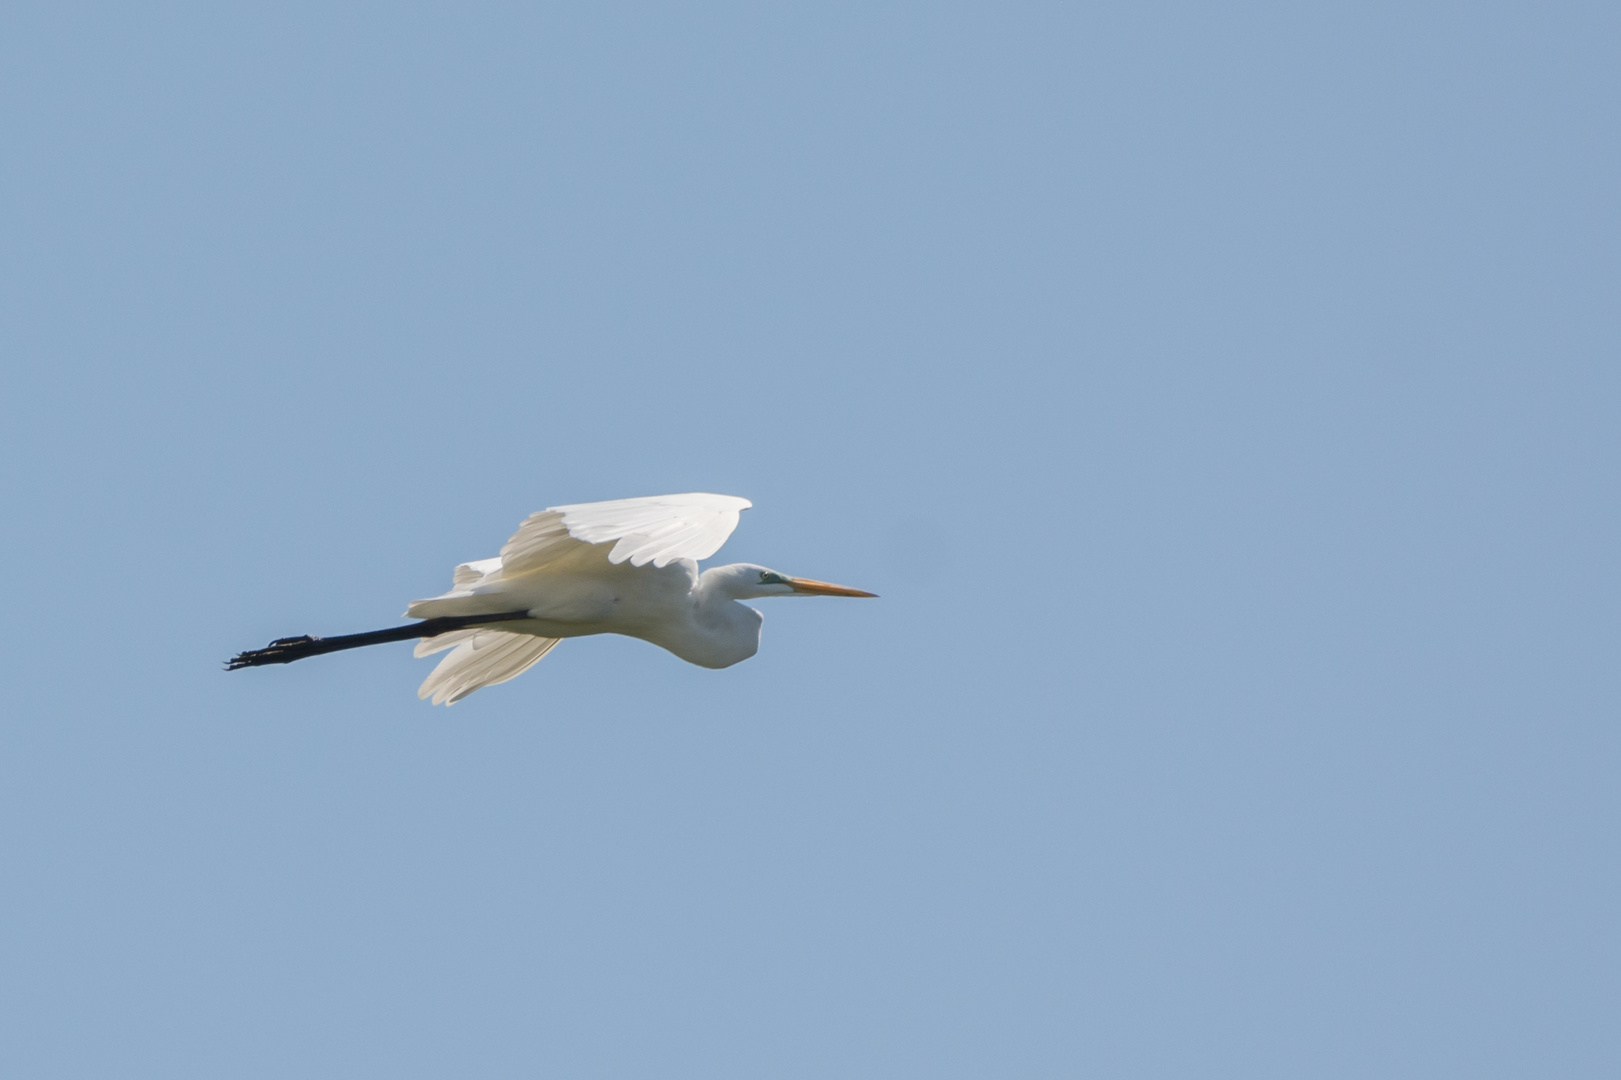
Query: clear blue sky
x=1224 y=402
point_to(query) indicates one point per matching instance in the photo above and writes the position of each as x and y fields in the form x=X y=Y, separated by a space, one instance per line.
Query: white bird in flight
x=627 y=566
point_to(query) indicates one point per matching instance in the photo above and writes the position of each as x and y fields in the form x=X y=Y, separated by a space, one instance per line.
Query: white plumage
x=628 y=566
x=478 y=658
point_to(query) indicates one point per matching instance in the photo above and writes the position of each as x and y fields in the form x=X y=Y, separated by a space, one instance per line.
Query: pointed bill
x=822 y=588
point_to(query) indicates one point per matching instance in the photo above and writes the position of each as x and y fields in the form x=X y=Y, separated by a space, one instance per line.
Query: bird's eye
x=767 y=577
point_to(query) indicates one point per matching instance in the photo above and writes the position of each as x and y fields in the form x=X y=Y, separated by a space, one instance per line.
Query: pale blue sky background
x=1224 y=401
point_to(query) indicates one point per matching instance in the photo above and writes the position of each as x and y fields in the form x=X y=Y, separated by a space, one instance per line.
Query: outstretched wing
x=478 y=657
x=657 y=529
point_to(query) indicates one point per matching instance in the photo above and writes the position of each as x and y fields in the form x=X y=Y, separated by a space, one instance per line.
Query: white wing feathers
x=469 y=574
x=539 y=540
x=658 y=529
x=478 y=658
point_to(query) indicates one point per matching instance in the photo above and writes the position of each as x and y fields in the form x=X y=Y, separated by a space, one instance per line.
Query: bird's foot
x=281 y=651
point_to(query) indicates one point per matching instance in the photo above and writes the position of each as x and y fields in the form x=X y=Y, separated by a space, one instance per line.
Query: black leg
x=286 y=650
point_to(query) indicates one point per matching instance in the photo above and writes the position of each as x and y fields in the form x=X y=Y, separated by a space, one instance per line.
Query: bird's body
x=623 y=567
x=689 y=613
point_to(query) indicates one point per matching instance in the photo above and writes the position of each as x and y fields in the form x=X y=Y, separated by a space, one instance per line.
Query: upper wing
x=657 y=529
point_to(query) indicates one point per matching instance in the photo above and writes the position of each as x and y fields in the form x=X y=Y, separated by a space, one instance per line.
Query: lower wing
x=478 y=657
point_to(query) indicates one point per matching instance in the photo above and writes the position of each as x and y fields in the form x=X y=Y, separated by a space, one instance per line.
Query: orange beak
x=822 y=588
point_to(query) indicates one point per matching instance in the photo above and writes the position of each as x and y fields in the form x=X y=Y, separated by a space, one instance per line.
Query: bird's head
x=746 y=581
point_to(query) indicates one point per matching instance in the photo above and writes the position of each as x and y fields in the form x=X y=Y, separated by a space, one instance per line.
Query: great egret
x=627 y=566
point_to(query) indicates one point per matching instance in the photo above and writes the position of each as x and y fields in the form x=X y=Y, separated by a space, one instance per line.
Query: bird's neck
x=718 y=631
x=719 y=584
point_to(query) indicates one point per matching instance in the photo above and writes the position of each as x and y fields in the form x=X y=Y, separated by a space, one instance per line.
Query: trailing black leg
x=286 y=650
